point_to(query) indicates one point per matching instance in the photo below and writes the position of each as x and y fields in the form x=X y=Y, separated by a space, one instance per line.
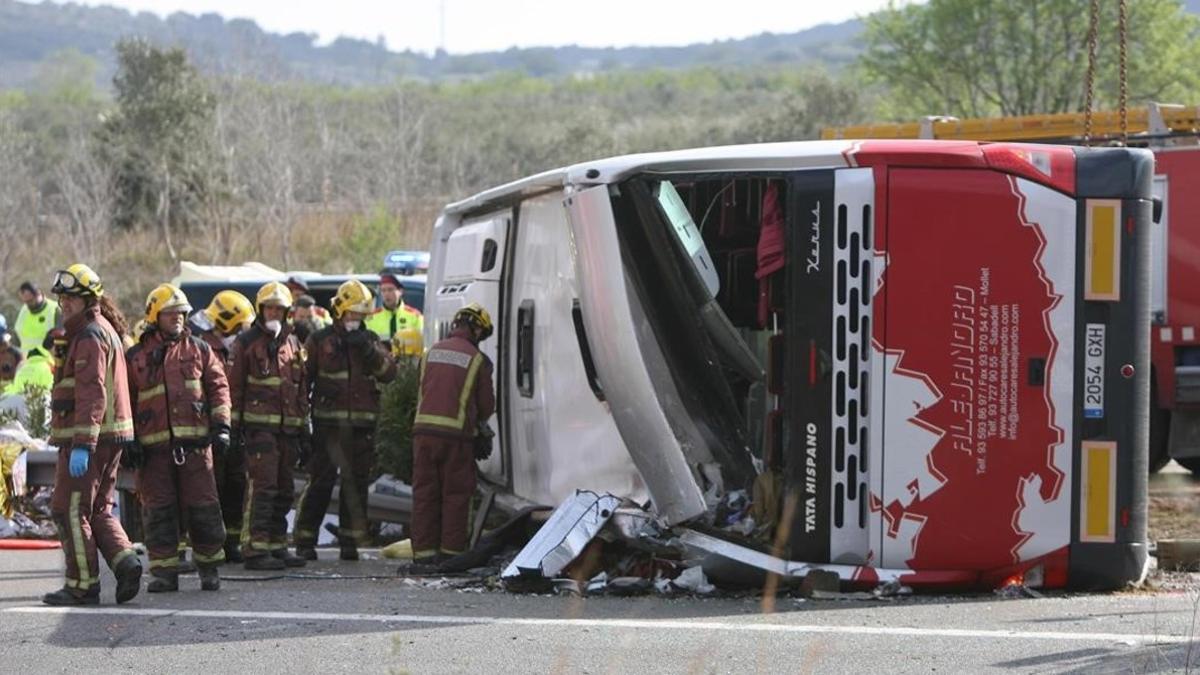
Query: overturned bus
x=922 y=361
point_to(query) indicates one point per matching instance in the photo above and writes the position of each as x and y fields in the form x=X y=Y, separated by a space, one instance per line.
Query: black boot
x=306 y=552
x=68 y=597
x=287 y=558
x=263 y=563
x=163 y=581
x=210 y=579
x=348 y=552
x=233 y=553
x=129 y=578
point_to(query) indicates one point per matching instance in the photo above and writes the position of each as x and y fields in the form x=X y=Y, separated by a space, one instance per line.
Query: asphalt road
x=331 y=625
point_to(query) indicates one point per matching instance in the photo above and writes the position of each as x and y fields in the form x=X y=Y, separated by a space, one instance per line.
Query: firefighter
x=10 y=360
x=270 y=413
x=299 y=289
x=181 y=420
x=394 y=316
x=456 y=400
x=219 y=324
x=38 y=316
x=304 y=319
x=346 y=364
x=90 y=423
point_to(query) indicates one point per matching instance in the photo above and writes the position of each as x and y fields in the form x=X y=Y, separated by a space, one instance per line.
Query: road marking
x=757 y=626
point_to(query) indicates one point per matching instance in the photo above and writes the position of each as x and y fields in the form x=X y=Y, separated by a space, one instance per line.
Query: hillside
x=29 y=33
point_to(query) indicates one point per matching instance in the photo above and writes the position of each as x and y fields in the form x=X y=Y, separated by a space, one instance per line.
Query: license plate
x=1093 y=374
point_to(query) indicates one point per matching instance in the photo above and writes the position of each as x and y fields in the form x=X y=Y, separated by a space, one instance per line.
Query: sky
x=489 y=25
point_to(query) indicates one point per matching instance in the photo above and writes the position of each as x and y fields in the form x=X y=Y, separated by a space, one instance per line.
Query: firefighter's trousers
x=229 y=470
x=270 y=457
x=180 y=498
x=349 y=451
x=82 y=511
x=443 y=484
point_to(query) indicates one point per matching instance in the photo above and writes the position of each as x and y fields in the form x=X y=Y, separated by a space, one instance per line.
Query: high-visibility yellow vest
x=32 y=327
x=387 y=322
x=35 y=370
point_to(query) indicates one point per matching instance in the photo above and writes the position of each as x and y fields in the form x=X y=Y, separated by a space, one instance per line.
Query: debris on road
x=561 y=539
x=692 y=579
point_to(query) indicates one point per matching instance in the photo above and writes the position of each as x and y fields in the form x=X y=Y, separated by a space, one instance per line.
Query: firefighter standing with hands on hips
x=219 y=324
x=90 y=423
x=270 y=412
x=181 y=408
x=449 y=433
x=346 y=363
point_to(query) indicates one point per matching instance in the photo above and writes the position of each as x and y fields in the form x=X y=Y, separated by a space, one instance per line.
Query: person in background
x=38 y=316
x=394 y=316
x=299 y=288
x=304 y=320
x=10 y=360
x=219 y=324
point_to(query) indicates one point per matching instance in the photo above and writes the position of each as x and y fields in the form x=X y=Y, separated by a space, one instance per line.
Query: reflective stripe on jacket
x=456 y=392
x=90 y=399
x=343 y=380
x=179 y=389
x=267 y=383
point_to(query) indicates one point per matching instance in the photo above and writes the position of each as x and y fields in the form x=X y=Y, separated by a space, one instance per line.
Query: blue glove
x=79 y=462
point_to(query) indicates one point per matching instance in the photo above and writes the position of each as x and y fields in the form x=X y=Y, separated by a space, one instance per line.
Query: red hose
x=27 y=544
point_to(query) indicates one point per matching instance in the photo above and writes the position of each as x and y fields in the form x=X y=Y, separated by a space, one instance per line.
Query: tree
x=159 y=139
x=998 y=57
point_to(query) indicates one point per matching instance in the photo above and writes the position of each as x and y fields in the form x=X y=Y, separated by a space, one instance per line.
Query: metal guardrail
x=388 y=502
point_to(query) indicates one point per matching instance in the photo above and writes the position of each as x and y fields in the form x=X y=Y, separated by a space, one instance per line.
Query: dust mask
x=274 y=326
x=352 y=325
x=228 y=340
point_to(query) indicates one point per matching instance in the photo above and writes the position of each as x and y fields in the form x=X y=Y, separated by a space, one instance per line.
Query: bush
x=393 y=437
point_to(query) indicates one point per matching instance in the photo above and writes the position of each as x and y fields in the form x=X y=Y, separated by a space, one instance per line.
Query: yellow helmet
x=477 y=316
x=273 y=293
x=165 y=298
x=408 y=342
x=353 y=296
x=78 y=279
x=228 y=310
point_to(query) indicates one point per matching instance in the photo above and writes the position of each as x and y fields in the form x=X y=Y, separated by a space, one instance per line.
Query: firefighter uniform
x=344 y=368
x=181 y=401
x=456 y=397
x=91 y=420
x=269 y=389
x=226 y=316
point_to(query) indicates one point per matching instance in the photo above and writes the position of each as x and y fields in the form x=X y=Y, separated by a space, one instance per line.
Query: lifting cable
x=1122 y=39
x=1090 y=85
